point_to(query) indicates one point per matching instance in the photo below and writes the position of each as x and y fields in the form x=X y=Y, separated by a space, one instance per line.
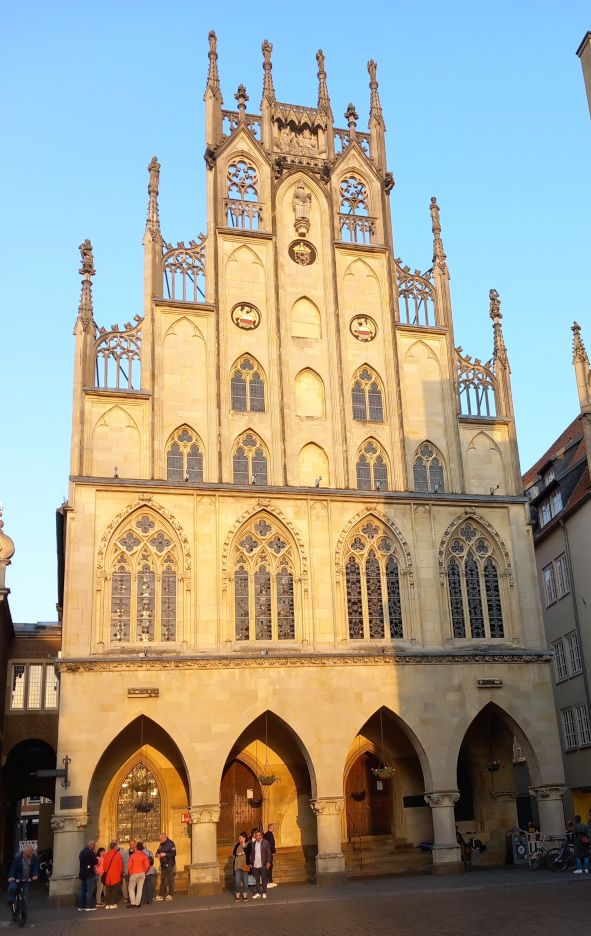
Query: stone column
x=69 y=838
x=330 y=861
x=551 y=809
x=204 y=873
x=447 y=858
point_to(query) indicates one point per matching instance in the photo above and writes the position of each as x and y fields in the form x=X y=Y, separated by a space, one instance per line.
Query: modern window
x=474 y=586
x=184 y=456
x=560 y=667
x=264 y=582
x=574 y=653
x=548 y=476
x=33 y=687
x=373 y=587
x=582 y=723
x=569 y=729
x=562 y=576
x=550 y=507
x=549 y=584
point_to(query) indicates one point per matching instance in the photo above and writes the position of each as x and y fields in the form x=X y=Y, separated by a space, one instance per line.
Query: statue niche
x=302 y=201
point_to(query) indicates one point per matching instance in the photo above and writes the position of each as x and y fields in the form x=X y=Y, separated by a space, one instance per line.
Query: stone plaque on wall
x=70 y=802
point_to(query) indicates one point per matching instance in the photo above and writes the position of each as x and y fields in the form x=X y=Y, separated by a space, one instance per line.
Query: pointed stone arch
x=309 y=394
x=359 y=266
x=184 y=320
x=144 y=502
x=264 y=506
x=102 y=421
x=253 y=268
x=426 y=349
x=530 y=737
x=486 y=439
x=116 y=441
x=377 y=514
x=473 y=516
x=313 y=465
x=306 y=321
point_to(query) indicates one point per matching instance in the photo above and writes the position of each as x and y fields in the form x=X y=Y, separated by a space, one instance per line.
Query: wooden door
x=239 y=812
x=369 y=808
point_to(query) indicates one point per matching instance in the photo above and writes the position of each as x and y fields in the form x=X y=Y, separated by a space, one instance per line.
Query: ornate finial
x=500 y=351
x=6 y=554
x=375 y=108
x=579 y=352
x=351 y=116
x=213 y=78
x=242 y=97
x=439 y=257
x=268 y=89
x=153 y=219
x=323 y=98
x=86 y=270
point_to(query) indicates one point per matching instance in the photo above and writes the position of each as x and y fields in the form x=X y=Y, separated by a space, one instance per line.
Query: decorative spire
x=6 y=554
x=213 y=78
x=153 y=219
x=242 y=97
x=439 y=257
x=579 y=352
x=499 y=348
x=351 y=116
x=268 y=89
x=87 y=270
x=375 y=108
x=323 y=98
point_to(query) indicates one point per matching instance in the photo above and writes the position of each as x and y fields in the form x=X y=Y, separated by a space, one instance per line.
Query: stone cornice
x=113 y=664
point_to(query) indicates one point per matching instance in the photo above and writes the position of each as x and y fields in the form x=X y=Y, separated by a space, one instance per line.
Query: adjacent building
x=559 y=491
x=299 y=582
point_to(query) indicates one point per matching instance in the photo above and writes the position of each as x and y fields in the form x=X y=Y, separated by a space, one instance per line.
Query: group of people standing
x=128 y=872
x=253 y=863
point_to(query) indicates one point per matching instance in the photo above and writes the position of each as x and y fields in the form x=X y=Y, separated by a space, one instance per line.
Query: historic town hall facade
x=299 y=579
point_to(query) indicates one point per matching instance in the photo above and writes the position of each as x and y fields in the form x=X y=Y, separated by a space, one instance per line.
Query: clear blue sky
x=485 y=108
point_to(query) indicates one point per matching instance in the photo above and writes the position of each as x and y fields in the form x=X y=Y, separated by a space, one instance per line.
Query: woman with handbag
x=113 y=875
x=100 y=868
x=241 y=867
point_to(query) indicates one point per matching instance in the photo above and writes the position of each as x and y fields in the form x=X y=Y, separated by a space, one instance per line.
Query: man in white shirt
x=260 y=857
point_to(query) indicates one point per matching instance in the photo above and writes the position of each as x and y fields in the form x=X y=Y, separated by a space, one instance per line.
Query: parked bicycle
x=18 y=904
x=562 y=858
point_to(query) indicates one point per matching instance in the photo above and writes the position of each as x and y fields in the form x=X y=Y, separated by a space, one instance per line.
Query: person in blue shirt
x=24 y=867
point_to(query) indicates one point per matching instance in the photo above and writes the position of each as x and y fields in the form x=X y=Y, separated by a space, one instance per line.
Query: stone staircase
x=383 y=855
x=291 y=865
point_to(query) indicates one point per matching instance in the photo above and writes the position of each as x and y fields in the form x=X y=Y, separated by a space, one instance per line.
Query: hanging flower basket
x=359 y=796
x=267 y=779
x=493 y=766
x=383 y=773
x=144 y=807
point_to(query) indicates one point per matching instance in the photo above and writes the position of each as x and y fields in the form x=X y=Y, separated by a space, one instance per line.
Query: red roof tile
x=581 y=491
x=572 y=433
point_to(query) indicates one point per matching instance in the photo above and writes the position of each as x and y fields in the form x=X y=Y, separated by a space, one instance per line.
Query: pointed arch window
x=139 y=806
x=372 y=577
x=427 y=470
x=473 y=586
x=367 y=396
x=144 y=583
x=264 y=576
x=184 y=456
x=371 y=467
x=247 y=387
x=242 y=207
x=355 y=225
x=249 y=461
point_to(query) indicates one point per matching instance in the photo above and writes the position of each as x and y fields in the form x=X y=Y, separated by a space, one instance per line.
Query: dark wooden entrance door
x=239 y=811
x=369 y=801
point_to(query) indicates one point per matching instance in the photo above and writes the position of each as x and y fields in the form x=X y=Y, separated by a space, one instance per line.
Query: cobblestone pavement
x=504 y=903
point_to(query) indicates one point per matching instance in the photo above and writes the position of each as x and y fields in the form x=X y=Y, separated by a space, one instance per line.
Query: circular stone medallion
x=246 y=316
x=302 y=252
x=363 y=328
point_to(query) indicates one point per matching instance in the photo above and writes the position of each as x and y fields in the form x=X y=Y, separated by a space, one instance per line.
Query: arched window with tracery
x=427 y=470
x=372 y=467
x=184 y=456
x=139 y=809
x=355 y=225
x=144 y=583
x=265 y=564
x=367 y=396
x=247 y=387
x=249 y=460
x=474 y=592
x=372 y=576
x=242 y=206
